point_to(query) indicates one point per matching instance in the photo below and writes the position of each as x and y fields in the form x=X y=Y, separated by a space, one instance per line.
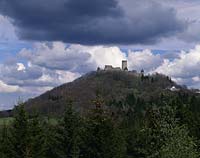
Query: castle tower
x=124 y=65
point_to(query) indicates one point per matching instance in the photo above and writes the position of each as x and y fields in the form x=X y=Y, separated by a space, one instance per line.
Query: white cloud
x=186 y=66
x=102 y=55
x=58 y=57
x=4 y=88
x=75 y=58
x=144 y=60
x=21 y=67
x=16 y=73
x=185 y=69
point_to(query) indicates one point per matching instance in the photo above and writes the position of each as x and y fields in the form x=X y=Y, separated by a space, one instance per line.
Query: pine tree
x=102 y=138
x=69 y=134
x=36 y=137
x=19 y=134
x=51 y=144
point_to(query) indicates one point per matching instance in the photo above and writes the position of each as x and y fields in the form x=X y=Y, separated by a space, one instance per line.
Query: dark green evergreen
x=102 y=138
x=69 y=133
x=19 y=134
x=36 y=137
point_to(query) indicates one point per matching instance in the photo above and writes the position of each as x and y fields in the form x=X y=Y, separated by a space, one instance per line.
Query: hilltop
x=110 y=85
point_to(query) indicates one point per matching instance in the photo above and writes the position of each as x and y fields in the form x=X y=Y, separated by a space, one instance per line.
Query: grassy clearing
x=6 y=121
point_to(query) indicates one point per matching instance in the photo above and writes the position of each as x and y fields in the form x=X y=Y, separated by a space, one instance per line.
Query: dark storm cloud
x=92 y=21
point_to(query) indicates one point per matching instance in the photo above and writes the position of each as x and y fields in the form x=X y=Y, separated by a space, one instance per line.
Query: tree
x=102 y=136
x=51 y=144
x=163 y=136
x=179 y=144
x=36 y=137
x=69 y=134
x=19 y=134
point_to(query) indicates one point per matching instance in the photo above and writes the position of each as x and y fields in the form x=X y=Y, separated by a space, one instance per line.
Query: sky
x=45 y=43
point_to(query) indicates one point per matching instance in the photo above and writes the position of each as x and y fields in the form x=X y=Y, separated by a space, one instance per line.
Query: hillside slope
x=110 y=85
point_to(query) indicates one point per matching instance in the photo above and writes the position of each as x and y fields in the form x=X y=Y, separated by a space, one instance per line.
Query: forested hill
x=114 y=87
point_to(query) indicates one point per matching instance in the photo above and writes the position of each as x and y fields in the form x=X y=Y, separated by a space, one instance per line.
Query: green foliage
x=36 y=137
x=19 y=134
x=69 y=134
x=51 y=143
x=102 y=137
x=163 y=137
x=179 y=144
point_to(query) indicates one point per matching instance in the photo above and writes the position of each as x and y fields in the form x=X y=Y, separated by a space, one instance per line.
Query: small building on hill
x=111 y=68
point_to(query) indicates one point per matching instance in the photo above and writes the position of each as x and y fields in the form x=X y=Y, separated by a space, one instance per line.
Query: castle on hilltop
x=123 y=68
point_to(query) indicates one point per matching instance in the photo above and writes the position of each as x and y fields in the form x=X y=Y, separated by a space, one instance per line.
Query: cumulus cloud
x=4 y=88
x=185 y=68
x=145 y=59
x=102 y=55
x=92 y=22
x=73 y=58
x=16 y=73
x=58 y=57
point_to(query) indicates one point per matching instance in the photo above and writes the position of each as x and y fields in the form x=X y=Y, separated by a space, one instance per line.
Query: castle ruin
x=123 y=68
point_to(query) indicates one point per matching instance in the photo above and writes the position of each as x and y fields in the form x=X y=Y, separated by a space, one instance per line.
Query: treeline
x=164 y=130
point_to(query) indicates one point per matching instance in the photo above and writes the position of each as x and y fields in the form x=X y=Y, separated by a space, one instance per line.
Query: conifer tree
x=69 y=134
x=103 y=138
x=36 y=137
x=51 y=144
x=19 y=134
